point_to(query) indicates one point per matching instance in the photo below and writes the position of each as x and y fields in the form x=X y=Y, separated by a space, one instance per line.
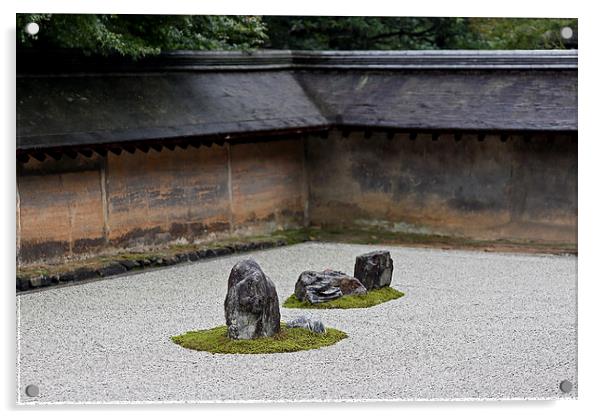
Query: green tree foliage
x=140 y=35
x=522 y=33
x=390 y=33
x=353 y=33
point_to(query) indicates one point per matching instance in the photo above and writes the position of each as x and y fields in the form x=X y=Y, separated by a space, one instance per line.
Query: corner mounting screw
x=32 y=390
x=566 y=32
x=566 y=386
x=32 y=28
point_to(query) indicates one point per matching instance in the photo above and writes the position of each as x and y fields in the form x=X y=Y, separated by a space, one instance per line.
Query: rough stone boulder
x=251 y=304
x=374 y=269
x=314 y=325
x=319 y=287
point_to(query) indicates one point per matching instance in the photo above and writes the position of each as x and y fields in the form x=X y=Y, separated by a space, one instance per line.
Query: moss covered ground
x=372 y=298
x=293 y=236
x=98 y=261
x=381 y=236
x=288 y=339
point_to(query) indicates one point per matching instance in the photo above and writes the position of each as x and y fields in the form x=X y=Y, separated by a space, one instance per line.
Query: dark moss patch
x=383 y=237
x=292 y=236
x=168 y=255
x=288 y=340
x=372 y=298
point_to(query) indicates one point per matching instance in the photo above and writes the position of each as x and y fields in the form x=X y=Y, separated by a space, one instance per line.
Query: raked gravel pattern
x=472 y=325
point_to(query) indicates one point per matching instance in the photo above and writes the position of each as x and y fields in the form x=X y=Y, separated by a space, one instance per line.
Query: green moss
x=287 y=340
x=292 y=236
x=332 y=234
x=98 y=261
x=372 y=298
x=33 y=272
x=381 y=236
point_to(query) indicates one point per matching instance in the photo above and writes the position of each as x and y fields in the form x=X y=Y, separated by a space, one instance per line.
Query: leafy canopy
x=140 y=35
x=390 y=33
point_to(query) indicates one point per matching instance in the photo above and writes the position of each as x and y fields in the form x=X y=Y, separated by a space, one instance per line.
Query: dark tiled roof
x=69 y=101
x=540 y=100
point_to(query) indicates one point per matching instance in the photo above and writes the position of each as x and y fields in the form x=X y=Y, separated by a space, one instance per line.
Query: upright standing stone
x=374 y=269
x=251 y=304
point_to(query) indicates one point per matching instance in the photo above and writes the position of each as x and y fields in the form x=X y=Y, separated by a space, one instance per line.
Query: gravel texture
x=471 y=325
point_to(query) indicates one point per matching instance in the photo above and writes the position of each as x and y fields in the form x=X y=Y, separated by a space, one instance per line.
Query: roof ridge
x=40 y=62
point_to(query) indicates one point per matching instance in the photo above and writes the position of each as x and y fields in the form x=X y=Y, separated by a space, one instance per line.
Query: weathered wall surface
x=267 y=185
x=60 y=208
x=517 y=189
x=74 y=207
x=158 y=197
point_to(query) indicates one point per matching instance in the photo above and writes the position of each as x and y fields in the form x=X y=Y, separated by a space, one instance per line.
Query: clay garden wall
x=75 y=207
x=471 y=186
x=477 y=187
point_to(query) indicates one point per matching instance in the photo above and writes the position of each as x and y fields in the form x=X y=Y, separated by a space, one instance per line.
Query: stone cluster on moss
x=371 y=298
x=253 y=315
x=373 y=271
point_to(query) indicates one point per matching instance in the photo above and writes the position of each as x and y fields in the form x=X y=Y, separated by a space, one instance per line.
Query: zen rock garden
x=252 y=312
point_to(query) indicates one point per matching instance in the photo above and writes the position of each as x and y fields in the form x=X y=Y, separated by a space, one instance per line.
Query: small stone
x=222 y=251
x=319 y=287
x=112 y=269
x=193 y=257
x=210 y=253
x=170 y=260
x=130 y=264
x=202 y=254
x=251 y=305
x=374 y=269
x=46 y=280
x=241 y=247
x=314 y=325
x=40 y=281
x=67 y=277
x=84 y=273
x=23 y=283
x=36 y=281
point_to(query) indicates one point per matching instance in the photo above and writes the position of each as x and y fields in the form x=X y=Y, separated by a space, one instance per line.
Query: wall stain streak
x=485 y=189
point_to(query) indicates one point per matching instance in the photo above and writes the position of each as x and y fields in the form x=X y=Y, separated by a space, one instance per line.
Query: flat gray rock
x=314 y=325
x=319 y=287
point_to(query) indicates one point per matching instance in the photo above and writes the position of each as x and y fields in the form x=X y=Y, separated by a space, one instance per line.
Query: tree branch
x=402 y=32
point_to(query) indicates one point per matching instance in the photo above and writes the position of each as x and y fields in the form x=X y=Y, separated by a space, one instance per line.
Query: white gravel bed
x=471 y=325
